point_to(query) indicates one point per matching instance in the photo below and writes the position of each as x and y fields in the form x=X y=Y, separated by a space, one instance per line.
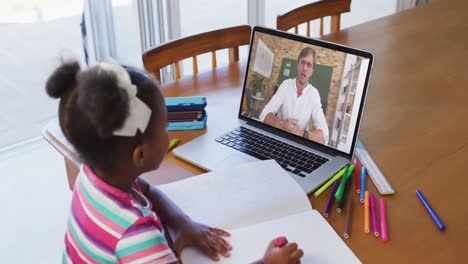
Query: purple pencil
x=375 y=227
x=330 y=200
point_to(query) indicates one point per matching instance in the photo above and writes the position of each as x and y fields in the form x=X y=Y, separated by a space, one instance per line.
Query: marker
x=281 y=241
x=345 y=195
x=172 y=144
x=383 y=221
x=341 y=187
x=363 y=183
x=375 y=227
x=431 y=211
x=357 y=178
x=330 y=200
x=366 y=212
x=329 y=182
x=347 y=231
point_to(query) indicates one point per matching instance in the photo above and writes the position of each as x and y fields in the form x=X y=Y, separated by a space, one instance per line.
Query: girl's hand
x=207 y=239
x=288 y=254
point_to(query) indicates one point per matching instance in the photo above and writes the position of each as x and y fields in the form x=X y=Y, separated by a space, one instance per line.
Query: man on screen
x=300 y=102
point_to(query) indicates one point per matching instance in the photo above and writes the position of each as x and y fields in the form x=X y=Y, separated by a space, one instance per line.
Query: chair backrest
x=307 y=13
x=173 y=52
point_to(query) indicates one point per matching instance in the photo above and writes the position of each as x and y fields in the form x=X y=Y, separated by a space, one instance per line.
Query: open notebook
x=257 y=202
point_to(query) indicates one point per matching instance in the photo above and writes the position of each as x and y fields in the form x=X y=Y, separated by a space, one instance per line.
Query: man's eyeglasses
x=304 y=63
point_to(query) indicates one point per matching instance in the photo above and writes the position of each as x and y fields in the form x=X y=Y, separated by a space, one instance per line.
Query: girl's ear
x=138 y=156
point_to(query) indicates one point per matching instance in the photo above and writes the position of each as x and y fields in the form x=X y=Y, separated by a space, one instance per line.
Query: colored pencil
x=347 y=230
x=330 y=200
x=366 y=212
x=346 y=192
x=375 y=227
x=431 y=211
x=363 y=183
x=329 y=182
x=341 y=187
x=357 y=177
x=173 y=143
x=383 y=221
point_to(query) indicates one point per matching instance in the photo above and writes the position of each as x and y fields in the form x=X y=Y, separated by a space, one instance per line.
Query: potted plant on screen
x=258 y=85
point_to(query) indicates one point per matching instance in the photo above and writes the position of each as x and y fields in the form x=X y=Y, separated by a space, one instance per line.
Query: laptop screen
x=308 y=88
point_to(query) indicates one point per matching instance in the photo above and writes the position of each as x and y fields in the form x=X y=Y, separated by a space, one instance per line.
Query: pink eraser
x=281 y=241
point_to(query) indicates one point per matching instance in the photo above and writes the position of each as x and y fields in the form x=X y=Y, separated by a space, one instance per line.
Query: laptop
x=301 y=105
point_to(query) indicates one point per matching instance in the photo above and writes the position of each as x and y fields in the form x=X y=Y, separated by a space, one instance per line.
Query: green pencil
x=339 y=191
x=329 y=182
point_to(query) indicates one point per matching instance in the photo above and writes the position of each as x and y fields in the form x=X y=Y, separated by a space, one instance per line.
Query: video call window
x=306 y=90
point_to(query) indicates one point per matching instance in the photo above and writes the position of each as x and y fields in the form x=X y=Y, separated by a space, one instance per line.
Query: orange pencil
x=366 y=212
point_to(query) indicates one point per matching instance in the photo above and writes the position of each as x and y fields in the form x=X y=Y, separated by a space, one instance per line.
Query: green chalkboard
x=320 y=79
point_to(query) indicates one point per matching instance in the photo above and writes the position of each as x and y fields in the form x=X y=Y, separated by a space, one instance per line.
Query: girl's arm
x=166 y=209
x=185 y=231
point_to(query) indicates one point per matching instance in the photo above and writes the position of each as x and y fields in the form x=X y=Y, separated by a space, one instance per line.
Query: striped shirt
x=107 y=225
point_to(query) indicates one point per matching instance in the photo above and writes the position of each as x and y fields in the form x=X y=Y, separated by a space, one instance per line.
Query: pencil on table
x=172 y=144
x=330 y=200
x=341 y=187
x=347 y=231
x=375 y=227
x=330 y=182
x=345 y=195
x=383 y=221
x=357 y=178
x=363 y=183
x=366 y=212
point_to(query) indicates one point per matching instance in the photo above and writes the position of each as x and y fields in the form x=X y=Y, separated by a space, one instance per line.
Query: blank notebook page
x=241 y=196
x=309 y=229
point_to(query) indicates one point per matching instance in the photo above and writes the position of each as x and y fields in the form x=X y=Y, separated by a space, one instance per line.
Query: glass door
x=36 y=35
x=115 y=29
x=124 y=29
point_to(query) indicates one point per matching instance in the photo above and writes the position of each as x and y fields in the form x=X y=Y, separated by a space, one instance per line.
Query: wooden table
x=415 y=126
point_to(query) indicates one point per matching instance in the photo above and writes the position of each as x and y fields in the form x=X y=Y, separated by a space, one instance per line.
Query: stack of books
x=186 y=113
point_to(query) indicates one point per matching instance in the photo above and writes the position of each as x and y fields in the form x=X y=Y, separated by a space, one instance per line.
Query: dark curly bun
x=63 y=79
x=96 y=107
x=102 y=101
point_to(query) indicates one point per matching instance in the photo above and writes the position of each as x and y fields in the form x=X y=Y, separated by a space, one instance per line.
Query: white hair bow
x=138 y=112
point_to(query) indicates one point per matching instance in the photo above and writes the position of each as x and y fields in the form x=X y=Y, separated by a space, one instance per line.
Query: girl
x=115 y=118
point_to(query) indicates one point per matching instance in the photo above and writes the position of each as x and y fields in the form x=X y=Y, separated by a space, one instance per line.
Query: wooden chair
x=175 y=51
x=307 y=13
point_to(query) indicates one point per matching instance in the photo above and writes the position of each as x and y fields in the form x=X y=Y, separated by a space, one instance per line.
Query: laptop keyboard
x=291 y=158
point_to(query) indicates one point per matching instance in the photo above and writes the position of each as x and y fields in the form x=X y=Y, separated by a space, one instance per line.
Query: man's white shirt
x=302 y=108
